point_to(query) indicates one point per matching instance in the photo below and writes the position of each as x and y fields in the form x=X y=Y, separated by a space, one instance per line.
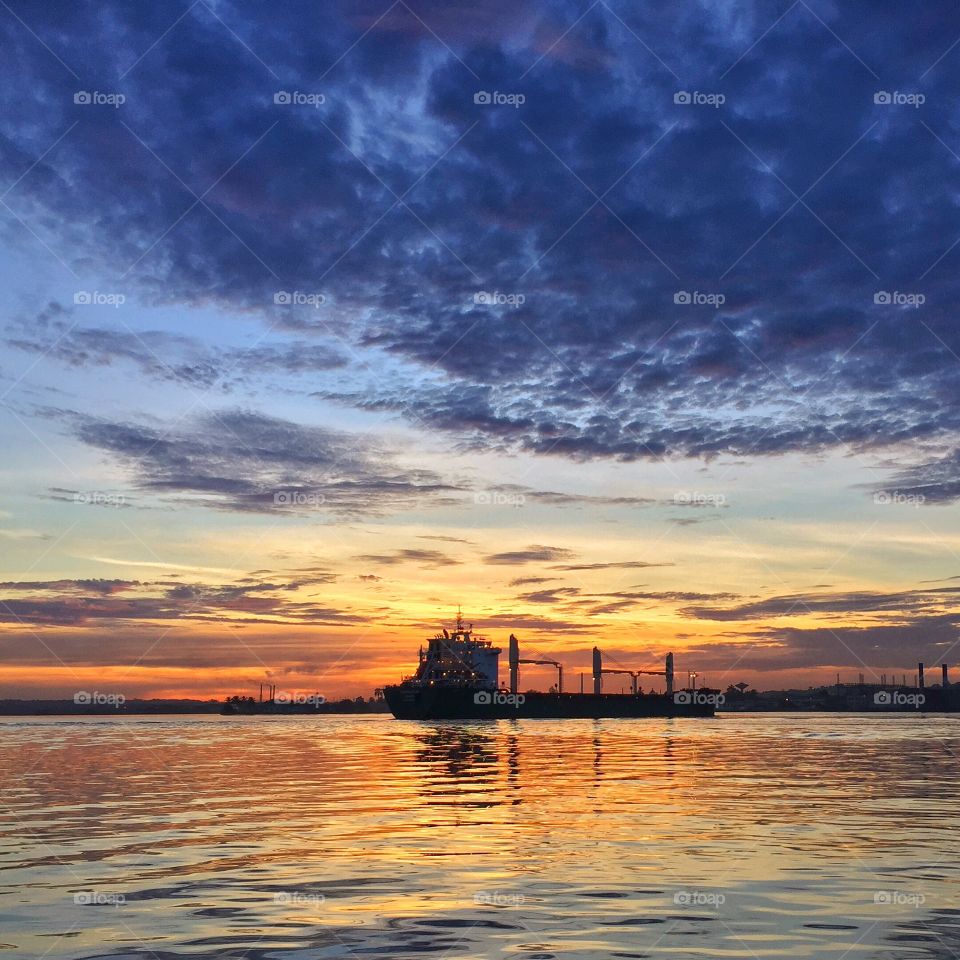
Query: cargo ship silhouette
x=457 y=678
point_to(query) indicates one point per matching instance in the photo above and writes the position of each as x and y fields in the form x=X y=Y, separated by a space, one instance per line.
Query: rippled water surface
x=744 y=836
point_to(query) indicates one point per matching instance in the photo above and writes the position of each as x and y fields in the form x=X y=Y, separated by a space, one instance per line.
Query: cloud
x=443 y=539
x=428 y=558
x=614 y=565
x=798 y=605
x=553 y=595
x=515 y=622
x=109 y=499
x=101 y=587
x=524 y=494
x=23 y=533
x=535 y=553
x=159 y=565
x=243 y=461
x=78 y=603
x=165 y=356
x=875 y=648
x=577 y=600
x=936 y=481
x=609 y=354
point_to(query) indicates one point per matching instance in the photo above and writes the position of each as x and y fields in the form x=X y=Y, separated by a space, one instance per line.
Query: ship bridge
x=459 y=656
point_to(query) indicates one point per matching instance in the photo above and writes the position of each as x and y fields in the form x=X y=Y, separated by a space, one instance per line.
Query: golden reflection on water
x=748 y=837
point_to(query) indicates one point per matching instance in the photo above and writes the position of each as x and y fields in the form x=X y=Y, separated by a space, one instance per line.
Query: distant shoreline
x=56 y=708
x=67 y=708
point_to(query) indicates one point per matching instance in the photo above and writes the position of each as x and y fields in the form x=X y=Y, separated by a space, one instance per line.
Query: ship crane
x=599 y=670
x=633 y=676
x=515 y=662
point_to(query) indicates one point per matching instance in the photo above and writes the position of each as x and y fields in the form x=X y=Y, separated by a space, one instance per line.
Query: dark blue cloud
x=596 y=205
x=247 y=462
x=161 y=355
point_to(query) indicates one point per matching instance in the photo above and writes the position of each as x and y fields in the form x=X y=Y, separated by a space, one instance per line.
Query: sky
x=614 y=324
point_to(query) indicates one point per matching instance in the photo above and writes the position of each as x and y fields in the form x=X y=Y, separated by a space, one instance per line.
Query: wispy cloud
x=535 y=553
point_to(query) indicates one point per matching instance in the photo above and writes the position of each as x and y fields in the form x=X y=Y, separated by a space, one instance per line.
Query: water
x=366 y=837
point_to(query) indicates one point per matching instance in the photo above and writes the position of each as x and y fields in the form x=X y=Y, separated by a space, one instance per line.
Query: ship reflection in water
x=746 y=837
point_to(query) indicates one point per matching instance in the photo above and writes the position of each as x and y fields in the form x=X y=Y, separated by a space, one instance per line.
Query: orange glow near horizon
x=341 y=609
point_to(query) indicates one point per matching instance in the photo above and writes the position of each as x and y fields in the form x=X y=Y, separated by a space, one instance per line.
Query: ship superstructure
x=458 y=658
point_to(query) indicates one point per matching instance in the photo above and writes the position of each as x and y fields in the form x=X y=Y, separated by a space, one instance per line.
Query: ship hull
x=439 y=703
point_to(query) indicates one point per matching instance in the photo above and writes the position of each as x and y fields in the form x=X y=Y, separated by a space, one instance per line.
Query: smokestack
x=514 y=663
x=920 y=675
x=597 y=671
x=669 y=674
x=946 y=679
